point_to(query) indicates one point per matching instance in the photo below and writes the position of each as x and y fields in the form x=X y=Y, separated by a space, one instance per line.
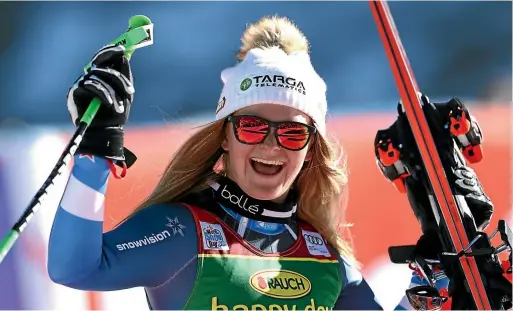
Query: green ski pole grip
x=138 y=34
x=7 y=243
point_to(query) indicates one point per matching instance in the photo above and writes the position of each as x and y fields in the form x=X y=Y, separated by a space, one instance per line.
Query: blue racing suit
x=156 y=248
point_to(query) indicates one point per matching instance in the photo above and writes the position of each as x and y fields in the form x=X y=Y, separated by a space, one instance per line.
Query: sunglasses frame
x=272 y=124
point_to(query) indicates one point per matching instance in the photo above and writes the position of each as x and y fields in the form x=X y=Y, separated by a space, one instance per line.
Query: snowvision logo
x=175 y=226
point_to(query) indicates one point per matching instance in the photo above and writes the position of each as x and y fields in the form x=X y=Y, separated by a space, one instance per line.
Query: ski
x=468 y=257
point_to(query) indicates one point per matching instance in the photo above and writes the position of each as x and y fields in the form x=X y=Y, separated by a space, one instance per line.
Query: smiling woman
x=249 y=201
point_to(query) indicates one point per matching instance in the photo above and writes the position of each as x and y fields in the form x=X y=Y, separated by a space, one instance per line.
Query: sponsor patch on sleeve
x=213 y=237
x=315 y=244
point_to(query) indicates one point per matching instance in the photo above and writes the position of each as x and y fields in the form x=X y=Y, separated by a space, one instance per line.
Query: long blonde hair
x=321 y=183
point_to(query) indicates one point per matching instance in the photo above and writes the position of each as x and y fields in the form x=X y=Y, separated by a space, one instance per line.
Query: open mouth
x=266 y=167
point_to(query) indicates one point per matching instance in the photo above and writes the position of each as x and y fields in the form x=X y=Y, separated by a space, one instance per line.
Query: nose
x=270 y=141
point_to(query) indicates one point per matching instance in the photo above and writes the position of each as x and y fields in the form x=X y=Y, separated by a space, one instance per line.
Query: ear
x=224 y=144
x=308 y=156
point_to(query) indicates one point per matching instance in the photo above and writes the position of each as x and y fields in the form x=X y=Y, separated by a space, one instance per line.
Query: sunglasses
x=252 y=130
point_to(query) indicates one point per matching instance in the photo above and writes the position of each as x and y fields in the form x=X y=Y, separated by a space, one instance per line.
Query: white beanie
x=275 y=77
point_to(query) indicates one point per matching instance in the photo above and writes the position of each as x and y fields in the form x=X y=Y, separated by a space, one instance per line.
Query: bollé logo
x=240 y=201
x=282 y=284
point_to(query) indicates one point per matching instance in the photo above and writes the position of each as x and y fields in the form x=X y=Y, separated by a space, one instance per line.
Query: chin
x=266 y=193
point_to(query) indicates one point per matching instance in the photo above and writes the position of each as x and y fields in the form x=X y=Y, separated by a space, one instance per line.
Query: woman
x=245 y=214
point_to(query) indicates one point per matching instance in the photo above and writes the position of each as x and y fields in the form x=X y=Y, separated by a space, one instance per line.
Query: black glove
x=109 y=79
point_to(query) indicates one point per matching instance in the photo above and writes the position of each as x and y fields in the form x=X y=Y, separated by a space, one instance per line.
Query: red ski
x=450 y=214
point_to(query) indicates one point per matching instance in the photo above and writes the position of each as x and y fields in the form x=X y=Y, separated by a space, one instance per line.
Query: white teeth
x=267 y=162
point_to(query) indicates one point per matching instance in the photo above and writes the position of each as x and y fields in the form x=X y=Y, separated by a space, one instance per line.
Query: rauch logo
x=283 y=284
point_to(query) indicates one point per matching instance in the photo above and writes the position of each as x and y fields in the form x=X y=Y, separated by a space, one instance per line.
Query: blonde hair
x=321 y=183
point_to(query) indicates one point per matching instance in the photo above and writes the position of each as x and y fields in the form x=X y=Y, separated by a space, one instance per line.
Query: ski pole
x=138 y=34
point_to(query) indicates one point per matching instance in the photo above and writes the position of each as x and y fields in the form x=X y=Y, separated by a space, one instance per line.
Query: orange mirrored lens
x=251 y=130
x=293 y=135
